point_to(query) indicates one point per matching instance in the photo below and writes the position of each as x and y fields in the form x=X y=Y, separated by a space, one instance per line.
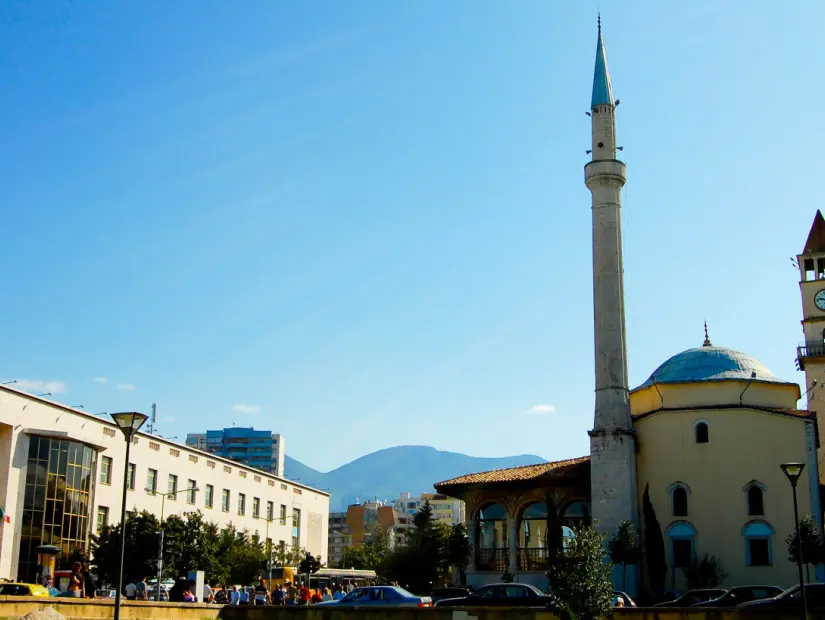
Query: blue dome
x=709 y=363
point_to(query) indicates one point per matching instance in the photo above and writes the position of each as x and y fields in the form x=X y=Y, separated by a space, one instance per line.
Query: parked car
x=380 y=596
x=691 y=597
x=442 y=593
x=501 y=595
x=791 y=598
x=22 y=589
x=153 y=593
x=622 y=599
x=741 y=594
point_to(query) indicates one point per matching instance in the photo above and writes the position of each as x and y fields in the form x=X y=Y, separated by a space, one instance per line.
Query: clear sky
x=363 y=224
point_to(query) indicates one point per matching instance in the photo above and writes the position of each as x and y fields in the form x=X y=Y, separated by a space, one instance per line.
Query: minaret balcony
x=809 y=350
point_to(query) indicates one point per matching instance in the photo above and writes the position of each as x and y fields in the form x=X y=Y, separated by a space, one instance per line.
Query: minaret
x=612 y=440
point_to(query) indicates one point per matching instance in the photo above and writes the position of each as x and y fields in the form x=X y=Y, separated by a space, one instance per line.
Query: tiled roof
x=515 y=474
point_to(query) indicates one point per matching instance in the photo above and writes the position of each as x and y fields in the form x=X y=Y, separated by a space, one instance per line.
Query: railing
x=533 y=559
x=491 y=559
x=810 y=349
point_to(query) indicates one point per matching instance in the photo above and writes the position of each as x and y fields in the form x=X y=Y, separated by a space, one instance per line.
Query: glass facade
x=57 y=501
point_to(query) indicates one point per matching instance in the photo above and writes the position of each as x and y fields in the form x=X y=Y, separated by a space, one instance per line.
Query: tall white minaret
x=612 y=440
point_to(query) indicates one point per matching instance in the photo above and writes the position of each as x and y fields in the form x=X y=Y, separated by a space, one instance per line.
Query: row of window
x=758 y=537
x=191 y=494
x=754 y=497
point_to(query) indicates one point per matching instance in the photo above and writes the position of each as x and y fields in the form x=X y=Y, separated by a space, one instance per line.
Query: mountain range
x=387 y=473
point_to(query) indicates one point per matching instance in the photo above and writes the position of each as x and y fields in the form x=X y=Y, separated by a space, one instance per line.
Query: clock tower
x=811 y=353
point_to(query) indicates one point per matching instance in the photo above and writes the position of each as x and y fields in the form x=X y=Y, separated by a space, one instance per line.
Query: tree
x=813 y=546
x=141 y=548
x=191 y=543
x=654 y=547
x=707 y=572
x=625 y=548
x=581 y=575
x=458 y=549
x=244 y=558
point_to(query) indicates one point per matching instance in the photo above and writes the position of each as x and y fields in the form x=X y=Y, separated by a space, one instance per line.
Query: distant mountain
x=386 y=473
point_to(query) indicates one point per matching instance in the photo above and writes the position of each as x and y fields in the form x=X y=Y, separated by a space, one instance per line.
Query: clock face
x=819 y=300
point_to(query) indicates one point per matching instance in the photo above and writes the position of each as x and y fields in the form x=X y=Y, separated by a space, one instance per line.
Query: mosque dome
x=709 y=363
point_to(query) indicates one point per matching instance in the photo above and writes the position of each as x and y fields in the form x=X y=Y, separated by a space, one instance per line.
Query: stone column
x=512 y=545
x=471 y=536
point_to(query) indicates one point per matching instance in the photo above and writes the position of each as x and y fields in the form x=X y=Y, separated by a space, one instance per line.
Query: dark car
x=501 y=595
x=791 y=598
x=442 y=593
x=691 y=597
x=741 y=594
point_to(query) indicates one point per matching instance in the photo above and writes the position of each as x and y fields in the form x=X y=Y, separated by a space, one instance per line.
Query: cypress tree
x=654 y=547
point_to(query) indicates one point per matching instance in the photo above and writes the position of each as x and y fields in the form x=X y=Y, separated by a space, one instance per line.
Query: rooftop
x=517 y=474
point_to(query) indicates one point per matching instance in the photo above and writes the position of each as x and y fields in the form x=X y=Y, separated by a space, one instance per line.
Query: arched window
x=532 y=537
x=573 y=515
x=756 y=504
x=758 y=548
x=491 y=537
x=679 y=501
x=702 y=433
x=681 y=535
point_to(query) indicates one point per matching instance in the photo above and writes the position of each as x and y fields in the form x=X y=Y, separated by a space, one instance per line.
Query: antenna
x=153 y=419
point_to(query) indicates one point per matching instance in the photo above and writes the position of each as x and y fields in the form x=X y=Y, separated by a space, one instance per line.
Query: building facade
x=702 y=440
x=360 y=522
x=61 y=480
x=263 y=450
x=445 y=509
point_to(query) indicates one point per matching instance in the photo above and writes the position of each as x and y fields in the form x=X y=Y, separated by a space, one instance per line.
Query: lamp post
x=129 y=423
x=161 y=533
x=793 y=471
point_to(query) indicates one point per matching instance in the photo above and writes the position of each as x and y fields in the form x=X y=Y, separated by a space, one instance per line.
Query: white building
x=61 y=479
x=445 y=509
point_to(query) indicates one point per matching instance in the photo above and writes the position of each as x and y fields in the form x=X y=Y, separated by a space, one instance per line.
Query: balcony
x=533 y=559
x=491 y=559
x=806 y=350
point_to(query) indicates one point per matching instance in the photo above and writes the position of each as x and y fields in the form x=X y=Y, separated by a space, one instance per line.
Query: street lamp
x=161 y=533
x=129 y=423
x=793 y=471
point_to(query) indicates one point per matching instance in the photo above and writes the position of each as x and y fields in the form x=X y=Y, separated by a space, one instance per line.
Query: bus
x=328 y=577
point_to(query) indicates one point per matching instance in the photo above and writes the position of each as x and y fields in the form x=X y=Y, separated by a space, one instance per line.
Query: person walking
x=208 y=593
x=235 y=596
x=141 y=590
x=89 y=583
x=76 y=582
x=262 y=594
x=327 y=596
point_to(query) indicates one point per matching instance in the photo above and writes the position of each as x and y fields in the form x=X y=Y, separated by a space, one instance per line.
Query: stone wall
x=13 y=608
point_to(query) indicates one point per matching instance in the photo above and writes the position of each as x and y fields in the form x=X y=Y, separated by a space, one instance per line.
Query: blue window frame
x=682 y=544
x=758 y=537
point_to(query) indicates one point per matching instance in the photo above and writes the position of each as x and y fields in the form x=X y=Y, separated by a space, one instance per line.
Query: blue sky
x=363 y=224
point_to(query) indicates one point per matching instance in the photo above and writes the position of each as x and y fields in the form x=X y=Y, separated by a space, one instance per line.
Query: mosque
x=705 y=435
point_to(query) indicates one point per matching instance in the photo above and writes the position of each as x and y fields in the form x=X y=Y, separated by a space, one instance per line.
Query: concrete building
x=445 y=509
x=61 y=480
x=260 y=449
x=703 y=438
x=355 y=527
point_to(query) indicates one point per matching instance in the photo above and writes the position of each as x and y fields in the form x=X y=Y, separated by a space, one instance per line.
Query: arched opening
x=573 y=515
x=681 y=535
x=758 y=536
x=532 y=537
x=491 y=538
x=756 y=501
x=679 y=501
x=702 y=432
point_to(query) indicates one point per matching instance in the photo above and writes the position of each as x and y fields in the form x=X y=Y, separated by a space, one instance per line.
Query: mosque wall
x=721 y=515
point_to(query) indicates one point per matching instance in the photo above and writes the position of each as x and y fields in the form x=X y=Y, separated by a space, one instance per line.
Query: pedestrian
x=349 y=587
x=76 y=582
x=188 y=597
x=141 y=590
x=305 y=596
x=235 y=597
x=278 y=595
x=222 y=596
x=338 y=593
x=327 y=596
x=244 y=595
x=89 y=583
x=131 y=590
x=262 y=594
x=208 y=594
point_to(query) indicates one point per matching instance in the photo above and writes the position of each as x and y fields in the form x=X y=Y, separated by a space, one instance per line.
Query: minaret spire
x=602 y=88
x=612 y=440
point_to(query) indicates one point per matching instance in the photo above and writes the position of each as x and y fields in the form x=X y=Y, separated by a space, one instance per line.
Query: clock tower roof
x=816 y=238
